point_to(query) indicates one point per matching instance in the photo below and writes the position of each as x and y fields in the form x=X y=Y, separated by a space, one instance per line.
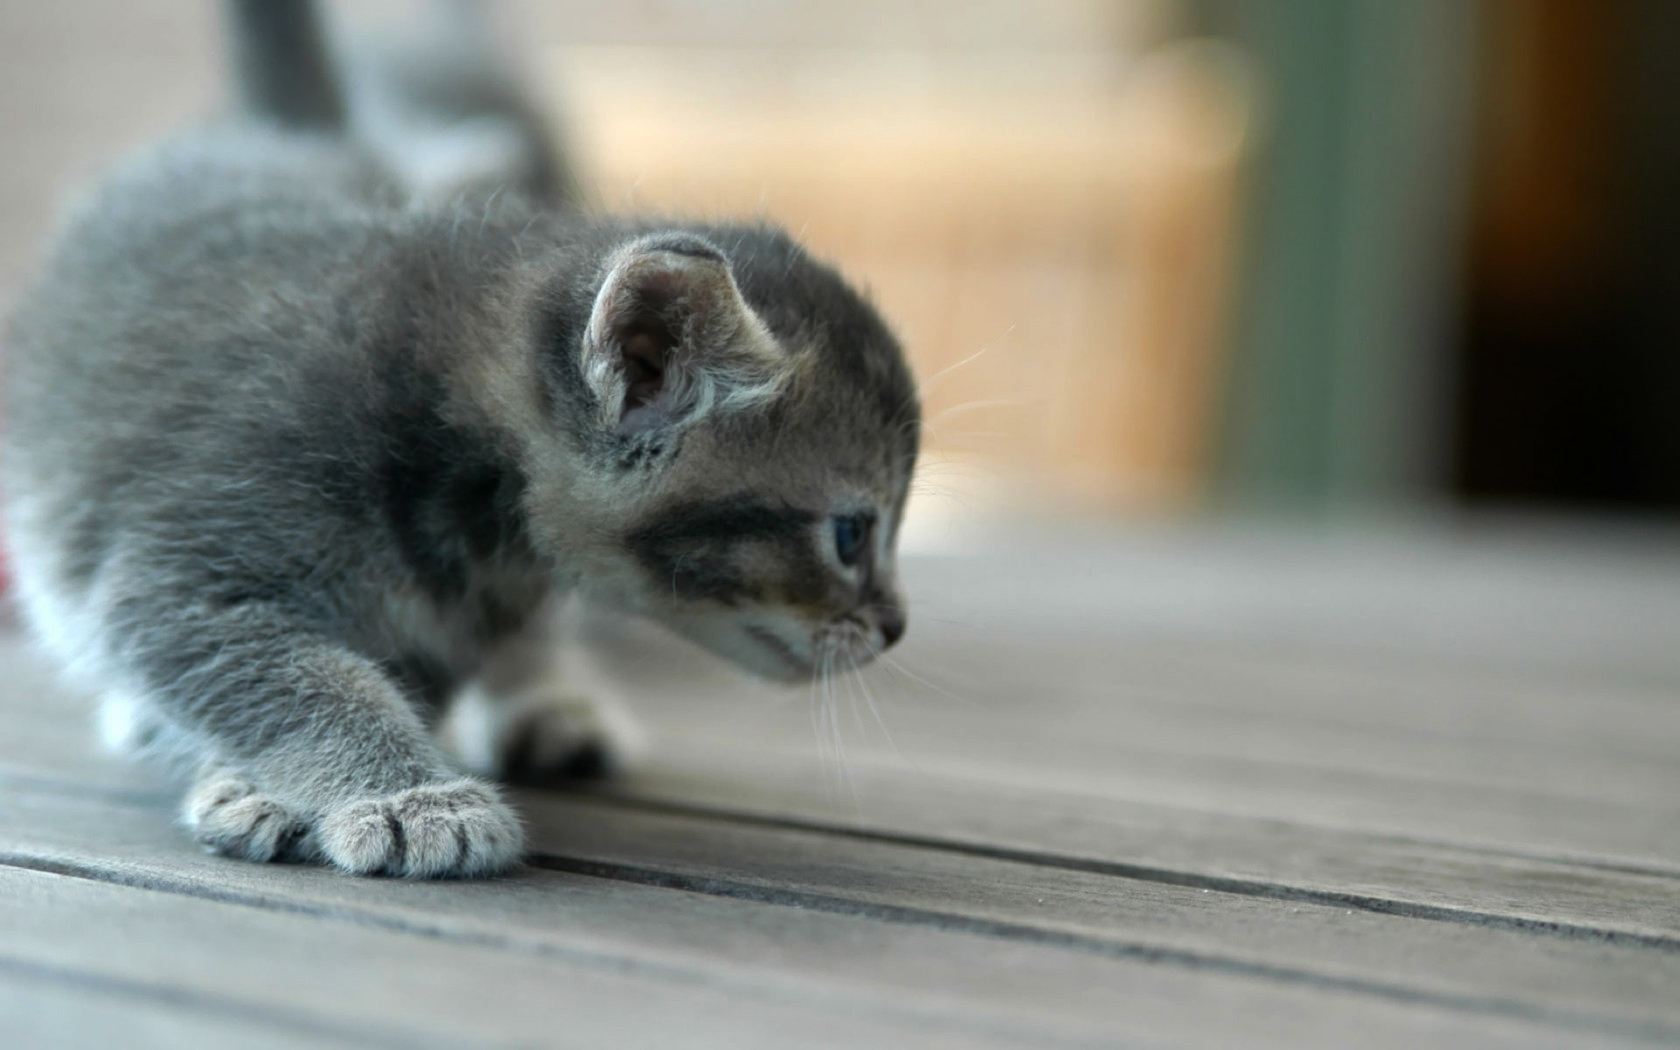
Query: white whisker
x=874 y=709
x=929 y=384
x=971 y=406
x=889 y=661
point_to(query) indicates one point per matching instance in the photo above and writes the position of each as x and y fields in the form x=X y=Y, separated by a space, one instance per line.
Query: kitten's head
x=742 y=428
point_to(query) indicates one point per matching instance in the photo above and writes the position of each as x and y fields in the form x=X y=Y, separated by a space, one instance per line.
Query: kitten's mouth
x=783 y=650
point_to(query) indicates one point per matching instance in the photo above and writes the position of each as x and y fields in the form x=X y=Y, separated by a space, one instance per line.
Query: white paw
x=456 y=828
x=228 y=815
x=549 y=741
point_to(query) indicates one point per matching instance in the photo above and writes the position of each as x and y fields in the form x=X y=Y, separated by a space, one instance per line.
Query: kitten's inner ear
x=670 y=337
x=645 y=349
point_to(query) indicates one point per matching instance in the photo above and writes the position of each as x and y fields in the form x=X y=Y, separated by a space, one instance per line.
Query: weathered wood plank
x=1262 y=857
x=1105 y=706
x=1477 y=817
x=917 y=976
x=1406 y=718
x=50 y=1008
x=1474 y=966
x=1529 y=597
x=348 y=976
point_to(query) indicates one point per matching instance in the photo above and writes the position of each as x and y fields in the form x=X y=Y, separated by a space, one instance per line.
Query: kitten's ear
x=670 y=339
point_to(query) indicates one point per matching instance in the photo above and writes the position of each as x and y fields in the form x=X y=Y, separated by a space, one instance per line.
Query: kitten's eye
x=851 y=536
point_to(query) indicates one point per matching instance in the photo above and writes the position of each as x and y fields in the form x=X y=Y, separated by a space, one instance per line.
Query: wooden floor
x=1206 y=788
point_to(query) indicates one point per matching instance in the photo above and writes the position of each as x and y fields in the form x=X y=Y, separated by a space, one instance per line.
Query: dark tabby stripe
x=691 y=544
x=730 y=518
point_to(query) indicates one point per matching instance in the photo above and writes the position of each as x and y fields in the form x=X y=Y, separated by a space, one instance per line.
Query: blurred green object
x=1338 y=392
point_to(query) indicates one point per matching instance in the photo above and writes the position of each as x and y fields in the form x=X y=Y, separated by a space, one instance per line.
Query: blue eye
x=851 y=536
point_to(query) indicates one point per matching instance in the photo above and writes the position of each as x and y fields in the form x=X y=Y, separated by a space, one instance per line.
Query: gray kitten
x=295 y=449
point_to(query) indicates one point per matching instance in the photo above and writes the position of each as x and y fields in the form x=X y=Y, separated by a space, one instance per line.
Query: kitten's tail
x=282 y=68
x=436 y=103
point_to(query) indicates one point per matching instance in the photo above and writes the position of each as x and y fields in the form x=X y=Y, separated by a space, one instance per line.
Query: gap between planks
x=222 y=1007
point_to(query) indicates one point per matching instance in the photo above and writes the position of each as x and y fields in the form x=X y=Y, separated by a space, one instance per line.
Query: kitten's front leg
x=307 y=734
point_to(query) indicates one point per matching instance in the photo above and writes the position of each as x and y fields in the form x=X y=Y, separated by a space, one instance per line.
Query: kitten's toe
x=455 y=829
x=553 y=742
x=229 y=816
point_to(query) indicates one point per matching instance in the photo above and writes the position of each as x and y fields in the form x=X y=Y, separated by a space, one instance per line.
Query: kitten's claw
x=229 y=816
x=457 y=828
x=553 y=741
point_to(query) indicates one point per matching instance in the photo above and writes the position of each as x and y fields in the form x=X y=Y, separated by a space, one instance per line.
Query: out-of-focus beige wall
x=81 y=82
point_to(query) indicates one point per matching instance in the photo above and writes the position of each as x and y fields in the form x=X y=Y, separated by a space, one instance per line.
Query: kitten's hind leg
x=533 y=740
x=526 y=722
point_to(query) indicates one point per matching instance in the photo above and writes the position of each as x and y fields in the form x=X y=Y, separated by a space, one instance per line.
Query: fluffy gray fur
x=295 y=450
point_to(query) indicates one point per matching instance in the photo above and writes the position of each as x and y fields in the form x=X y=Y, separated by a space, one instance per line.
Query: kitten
x=296 y=449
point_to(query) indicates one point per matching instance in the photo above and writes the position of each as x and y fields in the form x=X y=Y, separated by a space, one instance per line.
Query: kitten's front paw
x=553 y=741
x=228 y=815
x=457 y=828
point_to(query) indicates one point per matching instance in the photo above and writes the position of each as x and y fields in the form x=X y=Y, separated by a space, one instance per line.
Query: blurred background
x=1151 y=257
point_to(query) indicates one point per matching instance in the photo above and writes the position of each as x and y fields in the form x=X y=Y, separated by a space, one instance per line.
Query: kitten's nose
x=890 y=618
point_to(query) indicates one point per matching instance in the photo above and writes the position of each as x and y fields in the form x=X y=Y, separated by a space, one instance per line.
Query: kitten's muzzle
x=881 y=612
x=876 y=627
x=890 y=620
